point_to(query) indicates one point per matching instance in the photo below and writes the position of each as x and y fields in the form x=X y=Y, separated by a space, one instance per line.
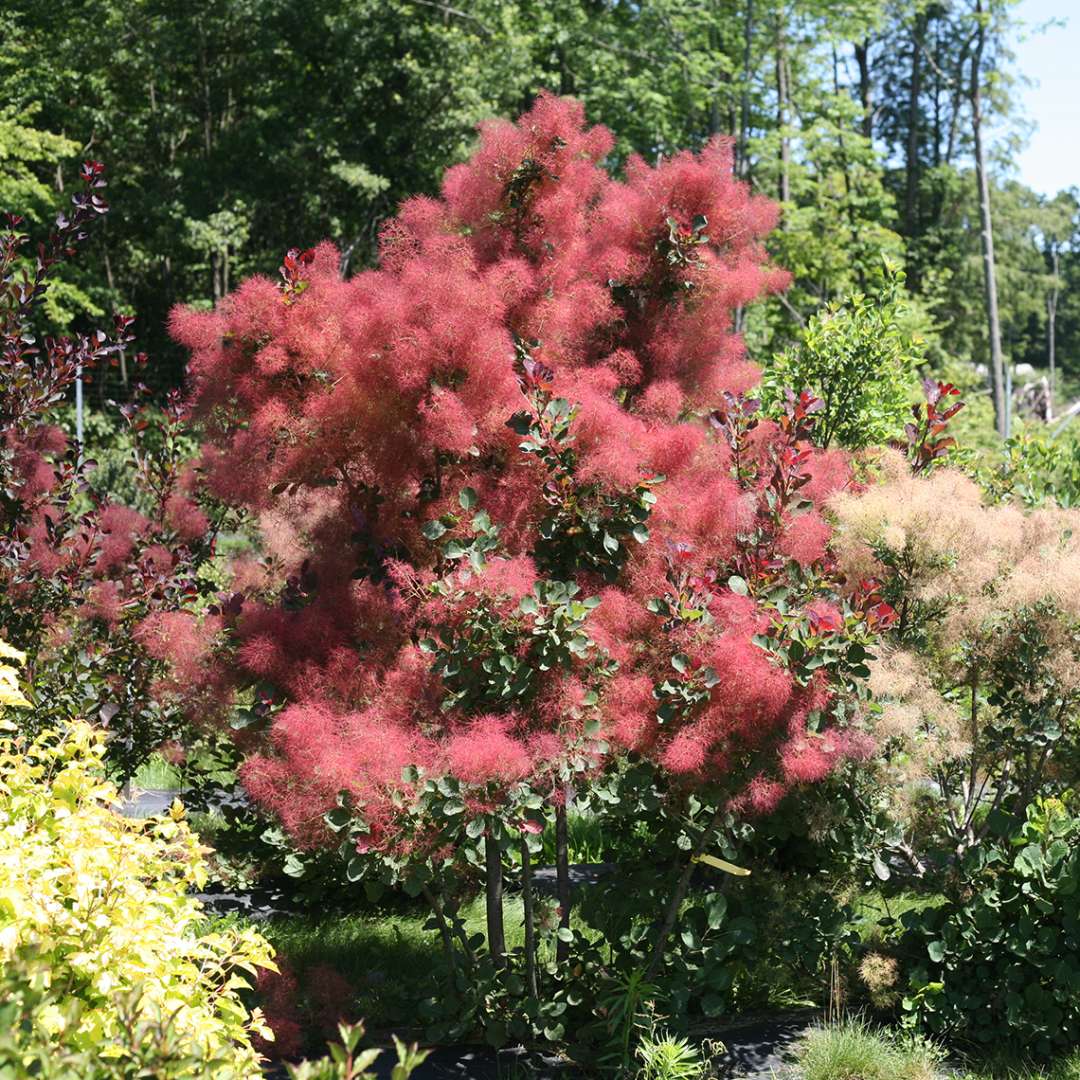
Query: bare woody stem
x=444 y=929
x=530 y=925
x=494 y=897
x=677 y=897
x=562 y=879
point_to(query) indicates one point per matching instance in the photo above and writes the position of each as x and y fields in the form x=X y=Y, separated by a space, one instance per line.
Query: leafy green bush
x=859 y=357
x=1007 y=957
x=100 y=944
x=1033 y=469
x=742 y=942
x=112 y=443
x=1011 y=1065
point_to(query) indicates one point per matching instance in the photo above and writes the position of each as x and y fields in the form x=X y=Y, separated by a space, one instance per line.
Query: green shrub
x=1033 y=469
x=1015 y=1066
x=1006 y=958
x=101 y=948
x=859 y=357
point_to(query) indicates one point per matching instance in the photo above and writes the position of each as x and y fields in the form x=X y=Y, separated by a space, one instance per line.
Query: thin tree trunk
x=911 y=188
x=562 y=879
x=112 y=289
x=566 y=77
x=742 y=165
x=444 y=929
x=958 y=83
x=784 y=187
x=716 y=47
x=866 y=86
x=495 y=934
x=938 y=74
x=742 y=158
x=1051 y=327
x=463 y=937
x=997 y=362
x=215 y=278
x=530 y=924
x=846 y=167
x=677 y=897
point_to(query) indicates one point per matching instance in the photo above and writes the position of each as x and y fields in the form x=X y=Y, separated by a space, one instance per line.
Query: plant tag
x=723 y=864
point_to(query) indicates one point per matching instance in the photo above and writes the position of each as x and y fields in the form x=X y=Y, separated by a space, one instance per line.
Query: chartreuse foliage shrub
x=10 y=692
x=101 y=948
x=1006 y=957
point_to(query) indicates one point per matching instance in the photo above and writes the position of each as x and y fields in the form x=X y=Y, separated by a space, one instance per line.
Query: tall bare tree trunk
x=845 y=166
x=1051 y=323
x=911 y=163
x=716 y=47
x=866 y=86
x=123 y=352
x=742 y=159
x=741 y=162
x=993 y=320
x=784 y=187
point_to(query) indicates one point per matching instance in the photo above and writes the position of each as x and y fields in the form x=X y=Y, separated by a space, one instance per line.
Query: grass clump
x=1010 y=1068
x=854 y=1050
x=157 y=774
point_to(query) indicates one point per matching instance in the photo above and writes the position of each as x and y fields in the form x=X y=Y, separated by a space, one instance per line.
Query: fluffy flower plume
x=374 y=427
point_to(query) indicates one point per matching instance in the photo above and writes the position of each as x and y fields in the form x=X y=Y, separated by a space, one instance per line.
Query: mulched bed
x=758 y=1047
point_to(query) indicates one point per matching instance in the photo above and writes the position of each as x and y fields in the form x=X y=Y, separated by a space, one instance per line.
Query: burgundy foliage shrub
x=92 y=590
x=316 y=1001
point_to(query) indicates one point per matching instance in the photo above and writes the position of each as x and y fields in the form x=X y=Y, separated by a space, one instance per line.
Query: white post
x=79 y=411
x=1008 y=399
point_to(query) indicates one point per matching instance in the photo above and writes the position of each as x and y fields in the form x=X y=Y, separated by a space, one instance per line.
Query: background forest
x=235 y=129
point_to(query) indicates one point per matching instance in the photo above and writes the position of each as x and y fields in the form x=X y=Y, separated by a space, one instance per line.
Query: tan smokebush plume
x=989 y=607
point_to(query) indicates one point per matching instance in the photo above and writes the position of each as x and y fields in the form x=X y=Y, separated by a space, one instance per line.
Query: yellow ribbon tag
x=723 y=864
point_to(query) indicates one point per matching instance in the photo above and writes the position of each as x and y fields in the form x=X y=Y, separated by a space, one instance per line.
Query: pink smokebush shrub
x=382 y=427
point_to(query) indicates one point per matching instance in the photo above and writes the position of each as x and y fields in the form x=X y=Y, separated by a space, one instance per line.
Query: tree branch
x=446 y=9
